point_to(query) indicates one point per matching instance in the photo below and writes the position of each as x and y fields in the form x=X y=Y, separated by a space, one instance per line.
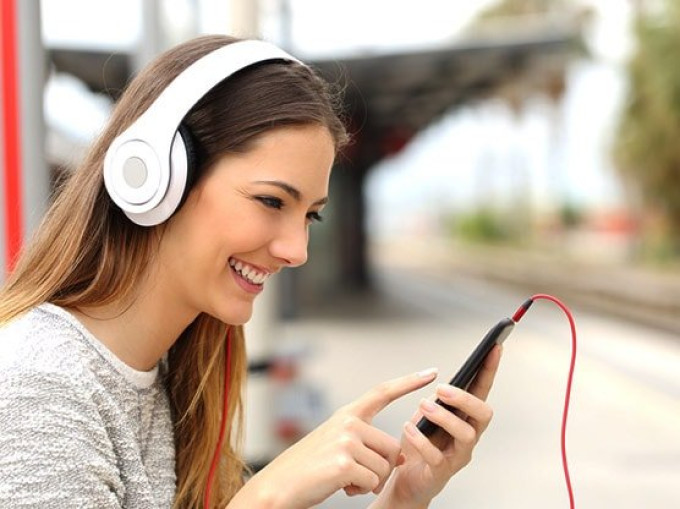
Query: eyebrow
x=292 y=191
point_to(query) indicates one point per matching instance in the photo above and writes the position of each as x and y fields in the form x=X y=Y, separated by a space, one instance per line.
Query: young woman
x=118 y=338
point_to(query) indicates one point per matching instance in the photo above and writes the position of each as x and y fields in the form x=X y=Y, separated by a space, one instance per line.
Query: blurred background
x=500 y=148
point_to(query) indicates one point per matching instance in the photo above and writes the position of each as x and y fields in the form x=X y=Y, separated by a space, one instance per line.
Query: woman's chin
x=235 y=315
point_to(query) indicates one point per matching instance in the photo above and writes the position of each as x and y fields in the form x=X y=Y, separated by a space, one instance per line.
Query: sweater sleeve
x=54 y=448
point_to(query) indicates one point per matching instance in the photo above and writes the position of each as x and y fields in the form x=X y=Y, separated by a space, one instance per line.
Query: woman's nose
x=291 y=247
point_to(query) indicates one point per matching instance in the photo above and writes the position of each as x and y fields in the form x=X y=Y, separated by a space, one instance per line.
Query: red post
x=12 y=130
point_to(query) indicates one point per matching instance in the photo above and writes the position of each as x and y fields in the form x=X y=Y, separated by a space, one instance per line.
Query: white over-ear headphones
x=146 y=168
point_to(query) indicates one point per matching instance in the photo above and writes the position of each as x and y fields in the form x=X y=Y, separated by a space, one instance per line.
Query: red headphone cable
x=567 y=397
x=516 y=318
x=223 y=422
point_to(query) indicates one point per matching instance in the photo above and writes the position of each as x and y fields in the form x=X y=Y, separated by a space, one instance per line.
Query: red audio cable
x=567 y=397
x=223 y=422
x=515 y=318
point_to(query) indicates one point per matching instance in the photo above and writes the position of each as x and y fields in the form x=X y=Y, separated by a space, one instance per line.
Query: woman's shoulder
x=41 y=343
x=49 y=417
x=49 y=343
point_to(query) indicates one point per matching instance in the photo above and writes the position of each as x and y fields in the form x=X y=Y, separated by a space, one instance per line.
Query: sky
x=378 y=25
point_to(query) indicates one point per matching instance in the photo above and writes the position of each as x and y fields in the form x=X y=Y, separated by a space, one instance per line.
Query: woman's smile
x=248 y=277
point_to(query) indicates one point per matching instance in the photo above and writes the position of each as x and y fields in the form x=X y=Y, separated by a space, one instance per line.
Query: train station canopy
x=390 y=97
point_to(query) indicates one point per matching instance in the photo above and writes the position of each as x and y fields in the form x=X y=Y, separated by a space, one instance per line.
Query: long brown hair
x=87 y=253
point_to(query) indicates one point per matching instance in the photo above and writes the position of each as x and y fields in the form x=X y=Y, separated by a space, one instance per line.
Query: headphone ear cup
x=182 y=168
x=191 y=150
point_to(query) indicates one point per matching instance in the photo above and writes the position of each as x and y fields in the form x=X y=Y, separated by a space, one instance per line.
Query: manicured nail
x=411 y=429
x=428 y=373
x=427 y=405
x=447 y=390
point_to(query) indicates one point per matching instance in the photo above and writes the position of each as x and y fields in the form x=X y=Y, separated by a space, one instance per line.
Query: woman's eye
x=314 y=217
x=275 y=203
x=270 y=201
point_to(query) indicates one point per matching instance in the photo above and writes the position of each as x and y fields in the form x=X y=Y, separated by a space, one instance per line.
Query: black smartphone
x=470 y=367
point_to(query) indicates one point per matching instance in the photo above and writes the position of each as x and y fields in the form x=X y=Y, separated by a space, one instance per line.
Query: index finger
x=372 y=402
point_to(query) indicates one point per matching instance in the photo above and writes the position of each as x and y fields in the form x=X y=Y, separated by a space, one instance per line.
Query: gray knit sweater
x=78 y=427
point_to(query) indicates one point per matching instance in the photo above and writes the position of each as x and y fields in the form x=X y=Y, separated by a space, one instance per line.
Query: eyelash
x=277 y=204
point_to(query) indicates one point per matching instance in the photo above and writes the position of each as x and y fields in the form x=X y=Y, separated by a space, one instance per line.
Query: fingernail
x=447 y=390
x=411 y=429
x=401 y=459
x=427 y=405
x=428 y=373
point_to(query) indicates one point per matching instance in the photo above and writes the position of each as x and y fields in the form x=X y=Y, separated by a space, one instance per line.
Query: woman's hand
x=430 y=463
x=345 y=452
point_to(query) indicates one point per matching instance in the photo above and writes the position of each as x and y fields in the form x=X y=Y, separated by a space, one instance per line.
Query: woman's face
x=245 y=220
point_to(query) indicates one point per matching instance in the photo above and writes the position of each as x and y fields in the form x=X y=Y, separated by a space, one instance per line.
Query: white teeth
x=249 y=273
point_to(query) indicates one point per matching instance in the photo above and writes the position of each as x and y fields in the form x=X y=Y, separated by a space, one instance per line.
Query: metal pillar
x=11 y=129
x=244 y=19
x=26 y=179
x=151 y=39
x=32 y=70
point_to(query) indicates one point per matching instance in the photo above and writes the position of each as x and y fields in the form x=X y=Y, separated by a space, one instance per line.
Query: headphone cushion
x=191 y=150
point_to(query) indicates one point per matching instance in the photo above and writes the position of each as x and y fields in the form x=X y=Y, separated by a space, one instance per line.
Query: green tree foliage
x=484 y=226
x=647 y=147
